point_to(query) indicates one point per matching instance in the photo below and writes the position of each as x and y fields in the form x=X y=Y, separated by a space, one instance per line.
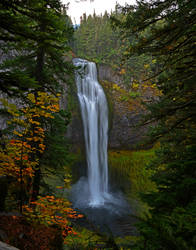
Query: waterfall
x=94 y=110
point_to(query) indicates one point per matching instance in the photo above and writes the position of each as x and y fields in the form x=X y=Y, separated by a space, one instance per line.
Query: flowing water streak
x=94 y=111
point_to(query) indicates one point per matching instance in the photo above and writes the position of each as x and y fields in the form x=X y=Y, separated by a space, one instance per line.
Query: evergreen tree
x=98 y=41
x=167 y=30
x=34 y=40
x=35 y=37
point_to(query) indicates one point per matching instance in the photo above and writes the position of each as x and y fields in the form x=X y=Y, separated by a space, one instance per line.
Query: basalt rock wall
x=124 y=114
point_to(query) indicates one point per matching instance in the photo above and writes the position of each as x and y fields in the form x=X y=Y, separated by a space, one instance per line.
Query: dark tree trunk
x=36 y=184
x=39 y=79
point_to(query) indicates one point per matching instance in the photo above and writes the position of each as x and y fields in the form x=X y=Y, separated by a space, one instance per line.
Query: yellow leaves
x=48 y=115
x=15 y=157
x=29 y=139
x=17 y=133
x=146 y=66
x=55 y=108
x=39 y=132
x=23 y=151
x=47 y=99
x=115 y=87
x=39 y=129
x=42 y=146
x=123 y=71
x=126 y=53
x=42 y=105
x=12 y=112
x=31 y=97
x=11 y=108
x=135 y=85
x=35 y=115
x=15 y=114
x=28 y=209
x=27 y=145
x=35 y=139
x=18 y=121
x=34 y=122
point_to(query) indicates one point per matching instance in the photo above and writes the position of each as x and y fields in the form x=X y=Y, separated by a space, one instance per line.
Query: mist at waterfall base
x=91 y=194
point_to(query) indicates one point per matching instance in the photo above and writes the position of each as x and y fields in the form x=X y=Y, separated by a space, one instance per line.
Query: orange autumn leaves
x=21 y=156
x=16 y=157
x=24 y=150
x=53 y=211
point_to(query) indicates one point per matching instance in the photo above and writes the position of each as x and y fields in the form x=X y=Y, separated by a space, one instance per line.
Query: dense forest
x=147 y=53
x=96 y=40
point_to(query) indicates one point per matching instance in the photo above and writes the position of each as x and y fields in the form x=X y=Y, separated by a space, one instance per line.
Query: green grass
x=89 y=240
x=60 y=177
x=84 y=240
x=130 y=173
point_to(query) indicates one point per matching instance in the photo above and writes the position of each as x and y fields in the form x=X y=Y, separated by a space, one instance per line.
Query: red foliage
x=25 y=236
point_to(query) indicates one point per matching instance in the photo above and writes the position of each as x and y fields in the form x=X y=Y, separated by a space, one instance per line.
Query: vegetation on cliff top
x=96 y=40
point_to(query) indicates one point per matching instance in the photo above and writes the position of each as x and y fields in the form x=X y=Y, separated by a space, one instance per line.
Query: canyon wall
x=124 y=113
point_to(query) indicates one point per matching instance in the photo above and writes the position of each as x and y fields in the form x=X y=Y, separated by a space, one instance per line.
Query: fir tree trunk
x=39 y=78
x=36 y=184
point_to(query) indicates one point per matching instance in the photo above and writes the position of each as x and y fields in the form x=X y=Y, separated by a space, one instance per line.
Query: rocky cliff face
x=75 y=128
x=125 y=112
x=105 y=73
x=124 y=133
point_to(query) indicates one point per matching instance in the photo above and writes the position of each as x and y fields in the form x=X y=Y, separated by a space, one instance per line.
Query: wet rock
x=4 y=246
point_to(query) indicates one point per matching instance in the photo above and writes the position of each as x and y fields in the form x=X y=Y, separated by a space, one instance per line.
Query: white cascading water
x=94 y=111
